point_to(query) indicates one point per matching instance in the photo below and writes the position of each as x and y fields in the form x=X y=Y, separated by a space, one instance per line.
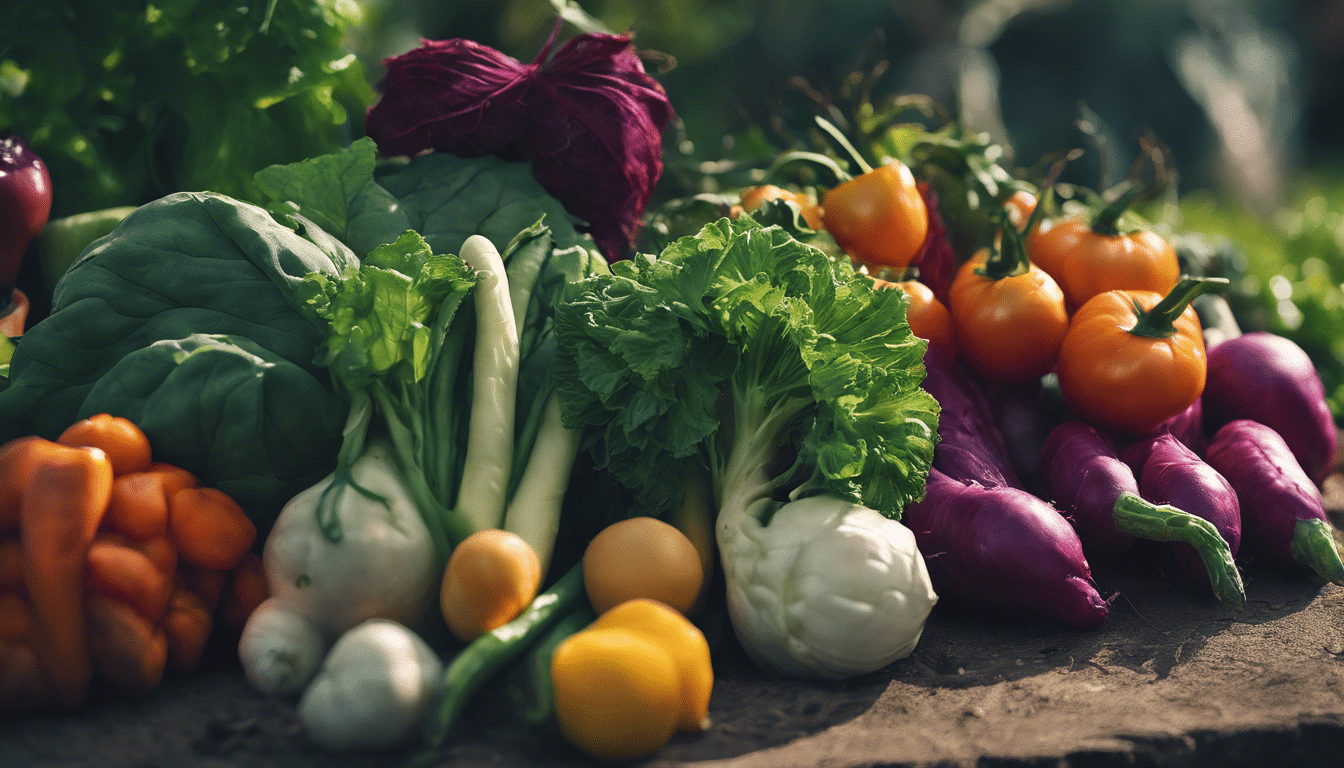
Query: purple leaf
x=589 y=119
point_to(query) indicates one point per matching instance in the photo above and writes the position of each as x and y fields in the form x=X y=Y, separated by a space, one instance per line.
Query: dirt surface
x=1171 y=679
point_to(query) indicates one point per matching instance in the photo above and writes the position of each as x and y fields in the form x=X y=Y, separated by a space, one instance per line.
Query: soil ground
x=1171 y=679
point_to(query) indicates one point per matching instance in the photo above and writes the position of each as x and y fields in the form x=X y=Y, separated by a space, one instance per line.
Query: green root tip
x=1163 y=522
x=1314 y=546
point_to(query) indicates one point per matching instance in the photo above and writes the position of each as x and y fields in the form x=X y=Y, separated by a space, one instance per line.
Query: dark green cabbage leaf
x=189 y=264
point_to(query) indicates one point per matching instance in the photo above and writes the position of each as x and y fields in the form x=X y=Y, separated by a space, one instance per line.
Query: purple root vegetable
x=1024 y=418
x=1270 y=379
x=1099 y=494
x=1004 y=548
x=1170 y=473
x=1283 y=514
x=970 y=446
x=1187 y=426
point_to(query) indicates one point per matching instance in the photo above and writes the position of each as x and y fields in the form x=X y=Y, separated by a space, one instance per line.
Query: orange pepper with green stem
x=1088 y=257
x=1133 y=359
x=1008 y=314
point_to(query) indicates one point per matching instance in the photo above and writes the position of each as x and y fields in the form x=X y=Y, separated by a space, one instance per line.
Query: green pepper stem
x=1160 y=321
x=1009 y=257
x=1314 y=546
x=1107 y=220
x=1163 y=522
x=840 y=139
x=814 y=158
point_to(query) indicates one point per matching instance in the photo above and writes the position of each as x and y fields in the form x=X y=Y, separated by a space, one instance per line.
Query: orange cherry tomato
x=878 y=218
x=927 y=316
x=1009 y=329
x=754 y=197
x=1008 y=314
x=1133 y=359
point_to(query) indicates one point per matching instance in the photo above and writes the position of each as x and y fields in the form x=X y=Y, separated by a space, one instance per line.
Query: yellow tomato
x=491 y=577
x=679 y=637
x=617 y=693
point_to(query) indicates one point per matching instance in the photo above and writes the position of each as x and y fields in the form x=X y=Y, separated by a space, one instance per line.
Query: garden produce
x=928 y=318
x=1133 y=359
x=491 y=577
x=617 y=693
x=752 y=198
x=381 y=566
x=25 y=203
x=64 y=239
x=1008 y=314
x=1171 y=473
x=642 y=557
x=1269 y=379
x=827 y=589
x=683 y=641
x=611 y=682
x=372 y=690
x=104 y=579
x=1025 y=413
x=146 y=324
x=1003 y=548
x=1088 y=255
x=462 y=395
x=877 y=217
x=588 y=119
x=821 y=380
x=970 y=446
x=1282 y=514
x=475 y=665
x=1098 y=493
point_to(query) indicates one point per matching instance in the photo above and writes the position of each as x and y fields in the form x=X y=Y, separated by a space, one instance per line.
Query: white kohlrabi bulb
x=827 y=589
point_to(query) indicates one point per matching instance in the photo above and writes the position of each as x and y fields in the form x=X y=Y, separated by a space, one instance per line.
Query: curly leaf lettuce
x=744 y=351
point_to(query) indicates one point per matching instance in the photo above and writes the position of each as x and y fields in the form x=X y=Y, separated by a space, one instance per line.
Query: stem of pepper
x=1009 y=257
x=1107 y=220
x=1160 y=321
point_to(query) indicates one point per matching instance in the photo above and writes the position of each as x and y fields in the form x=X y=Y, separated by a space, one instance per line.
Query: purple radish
x=1004 y=548
x=1099 y=494
x=1170 y=473
x=1187 y=426
x=1270 y=379
x=1025 y=419
x=1282 y=512
x=970 y=446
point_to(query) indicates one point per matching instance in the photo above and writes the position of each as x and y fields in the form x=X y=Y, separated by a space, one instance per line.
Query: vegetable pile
x=1080 y=398
x=441 y=417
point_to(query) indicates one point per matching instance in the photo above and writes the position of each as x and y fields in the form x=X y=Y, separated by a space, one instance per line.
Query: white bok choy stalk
x=796 y=384
x=435 y=443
